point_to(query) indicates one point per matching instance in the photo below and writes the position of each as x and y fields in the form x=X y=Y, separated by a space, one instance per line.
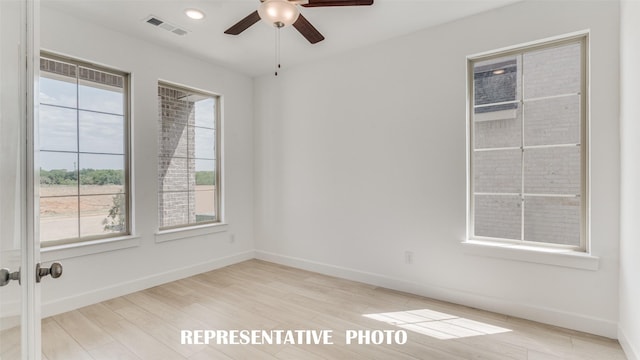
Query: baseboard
x=555 y=317
x=629 y=349
x=59 y=306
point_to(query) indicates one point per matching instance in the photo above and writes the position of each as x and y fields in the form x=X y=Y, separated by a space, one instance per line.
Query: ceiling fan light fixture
x=279 y=13
x=194 y=14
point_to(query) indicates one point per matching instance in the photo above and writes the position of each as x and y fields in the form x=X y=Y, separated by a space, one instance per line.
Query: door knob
x=55 y=271
x=6 y=276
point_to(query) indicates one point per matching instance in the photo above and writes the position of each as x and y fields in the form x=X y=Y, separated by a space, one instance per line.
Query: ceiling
x=253 y=51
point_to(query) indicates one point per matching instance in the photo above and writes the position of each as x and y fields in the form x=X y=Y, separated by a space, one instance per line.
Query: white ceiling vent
x=159 y=23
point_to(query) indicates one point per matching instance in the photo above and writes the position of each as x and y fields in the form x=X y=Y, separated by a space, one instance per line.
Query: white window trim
x=189 y=232
x=83 y=248
x=95 y=244
x=533 y=254
x=168 y=234
x=551 y=254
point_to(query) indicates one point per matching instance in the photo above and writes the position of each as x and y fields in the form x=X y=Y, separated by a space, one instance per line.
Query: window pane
x=496 y=81
x=205 y=190
x=205 y=204
x=173 y=139
x=174 y=174
x=187 y=157
x=205 y=143
x=101 y=91
x=101 y=133
x=498 y=129
x=552 y=220
x=58 y=128
x=205 y=172
x=497 y=171
x=174 y=106
x=552 y=170
x=103 y=214
x=58 y=90
x=82 y=152
x=552 y=71
x=58 y=174
x=174 y=209
x=498 y=216
x=205 y=113
x=552 y=121
x=58 y=218
x=101 y=174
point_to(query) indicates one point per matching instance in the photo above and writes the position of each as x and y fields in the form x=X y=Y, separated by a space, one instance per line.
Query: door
x=19 y=253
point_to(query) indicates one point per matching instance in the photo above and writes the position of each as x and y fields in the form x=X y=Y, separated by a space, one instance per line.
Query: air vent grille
x=159 y=23
x=154 y=21
x=167 y=27
x=179 y=32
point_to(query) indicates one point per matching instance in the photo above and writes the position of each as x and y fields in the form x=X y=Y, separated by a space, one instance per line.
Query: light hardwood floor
x=261 y=295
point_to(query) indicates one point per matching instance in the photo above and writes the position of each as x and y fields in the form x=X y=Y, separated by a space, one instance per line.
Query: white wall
x=629 y=331
x=95 y=277
x=362 y=156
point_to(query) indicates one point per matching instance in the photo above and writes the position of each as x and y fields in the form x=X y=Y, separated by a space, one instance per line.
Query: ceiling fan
x=281 y=13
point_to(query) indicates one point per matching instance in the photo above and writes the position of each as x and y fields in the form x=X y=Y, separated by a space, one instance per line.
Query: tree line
x=103 y=177
x=87 y=177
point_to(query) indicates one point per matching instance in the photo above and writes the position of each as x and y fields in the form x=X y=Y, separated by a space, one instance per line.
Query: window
x=84 y=163
x=188 y=162
x=528 y=145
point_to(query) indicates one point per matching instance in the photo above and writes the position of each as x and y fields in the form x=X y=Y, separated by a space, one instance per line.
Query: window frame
x=218 y=203
x=126 y=88
x=581 y=38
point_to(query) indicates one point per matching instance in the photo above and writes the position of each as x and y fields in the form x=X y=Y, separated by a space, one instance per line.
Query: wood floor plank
x=83 y=330
x=296 y=353
x=589 y=349
x=264 y=296
x=111 y=351
x=57 y=344
x=129 y=334
x=209 y=353
x=10 y=345
x=237 y=352
x=156 y=327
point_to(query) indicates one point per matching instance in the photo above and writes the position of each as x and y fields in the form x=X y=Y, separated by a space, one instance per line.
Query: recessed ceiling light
x=498 y=72
x=194 y=14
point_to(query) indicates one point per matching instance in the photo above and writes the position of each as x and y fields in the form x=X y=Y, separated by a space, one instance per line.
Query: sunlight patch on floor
x=436 y=324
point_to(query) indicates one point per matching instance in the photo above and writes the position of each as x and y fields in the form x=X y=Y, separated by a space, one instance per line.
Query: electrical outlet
x=408 y=257
x=232 y=238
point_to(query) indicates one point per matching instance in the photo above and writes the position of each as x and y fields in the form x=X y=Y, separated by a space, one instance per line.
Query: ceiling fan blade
x=307 y=30
x=322 y=3
x=243 y=24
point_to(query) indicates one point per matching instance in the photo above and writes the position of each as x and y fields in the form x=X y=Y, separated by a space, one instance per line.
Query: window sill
x=532 y=254
x=189 y=232
x=83 y=248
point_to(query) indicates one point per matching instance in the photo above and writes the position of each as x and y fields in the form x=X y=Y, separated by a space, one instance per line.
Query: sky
x=90 y=119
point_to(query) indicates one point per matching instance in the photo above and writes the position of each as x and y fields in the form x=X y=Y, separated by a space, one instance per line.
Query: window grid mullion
x=522 y=77
x=522 y=157
x=77 y=108
x=551 y=97
x=77 y=169
x=77 y=222
x=485 y=193
x=529 y=147
x=189 y=169
x=496 y=104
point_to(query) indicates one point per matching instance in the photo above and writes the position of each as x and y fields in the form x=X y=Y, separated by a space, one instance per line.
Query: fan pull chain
x=277 y=65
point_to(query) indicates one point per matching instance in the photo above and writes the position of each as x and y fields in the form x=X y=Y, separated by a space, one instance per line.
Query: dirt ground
x=66 y=202
x=59 y=214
